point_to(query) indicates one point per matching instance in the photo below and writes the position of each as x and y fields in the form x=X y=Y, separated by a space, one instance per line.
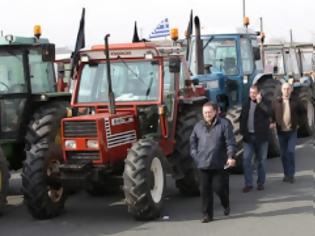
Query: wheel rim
x=158 y=178
x=310 y=114
x=54 y=192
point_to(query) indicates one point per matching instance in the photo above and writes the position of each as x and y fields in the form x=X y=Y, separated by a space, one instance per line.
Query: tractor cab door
x=14 y=92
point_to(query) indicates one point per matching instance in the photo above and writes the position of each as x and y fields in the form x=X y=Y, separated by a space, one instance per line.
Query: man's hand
x=272 y=125
x=230 y=162
x=259 y=98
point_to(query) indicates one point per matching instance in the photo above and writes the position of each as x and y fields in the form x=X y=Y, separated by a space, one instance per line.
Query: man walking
x=254 y=126
x=212 y=146
x=285 y=115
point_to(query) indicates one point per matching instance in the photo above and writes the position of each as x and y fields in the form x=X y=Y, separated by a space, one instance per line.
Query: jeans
x=260 y=149
x=213 y=181
x=287 y=142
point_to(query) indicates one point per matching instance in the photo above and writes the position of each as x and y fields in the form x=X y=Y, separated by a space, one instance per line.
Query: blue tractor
x=227 y=65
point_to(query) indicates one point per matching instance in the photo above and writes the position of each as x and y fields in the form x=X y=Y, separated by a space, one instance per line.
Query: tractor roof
x=17 y=40
x=134 y=50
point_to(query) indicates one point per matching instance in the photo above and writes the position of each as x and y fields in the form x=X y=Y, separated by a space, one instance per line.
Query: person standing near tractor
x=285 y=112
x=254 y=126
x=212 y=146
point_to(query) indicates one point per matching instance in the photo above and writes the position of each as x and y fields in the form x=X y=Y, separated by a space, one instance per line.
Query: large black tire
x=144 y=179
x=43 y=193
x=187 y=118
x=270 y=90
x=307 y=112
x=233 y=114
x=4 y=181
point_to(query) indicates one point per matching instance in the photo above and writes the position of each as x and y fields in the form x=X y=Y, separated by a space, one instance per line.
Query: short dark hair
x=211 y=104
x=255 y=86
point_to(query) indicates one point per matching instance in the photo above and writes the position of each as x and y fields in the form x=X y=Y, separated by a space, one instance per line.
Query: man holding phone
x=254 y=126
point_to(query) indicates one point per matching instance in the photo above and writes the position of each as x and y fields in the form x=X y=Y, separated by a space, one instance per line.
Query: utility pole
x=262 y=38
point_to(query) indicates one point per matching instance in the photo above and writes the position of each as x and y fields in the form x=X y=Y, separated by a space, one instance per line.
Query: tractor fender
x=262 y=76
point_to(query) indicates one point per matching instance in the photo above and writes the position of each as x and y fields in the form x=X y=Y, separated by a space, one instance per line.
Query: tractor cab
x=27 y=81
x=231 y=62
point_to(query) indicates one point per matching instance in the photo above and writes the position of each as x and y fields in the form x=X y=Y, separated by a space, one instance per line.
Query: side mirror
x=256 y=51
x=174 y=64
x=48 y=52
x=275 y=70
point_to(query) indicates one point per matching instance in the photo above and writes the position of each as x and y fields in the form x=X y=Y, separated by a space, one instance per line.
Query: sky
x=59 y=19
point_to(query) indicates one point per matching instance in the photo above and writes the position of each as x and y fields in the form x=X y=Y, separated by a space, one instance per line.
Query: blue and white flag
x=162 y=30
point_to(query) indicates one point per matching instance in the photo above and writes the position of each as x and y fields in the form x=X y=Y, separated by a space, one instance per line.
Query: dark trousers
x=287 y=142
x=213 y=181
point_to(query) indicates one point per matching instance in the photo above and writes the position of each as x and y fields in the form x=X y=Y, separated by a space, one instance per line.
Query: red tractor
x=133 y=109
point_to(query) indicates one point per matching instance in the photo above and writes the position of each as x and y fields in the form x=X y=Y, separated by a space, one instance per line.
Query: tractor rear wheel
x=233 y=115
x=144 y=179
x=4 y=180
x=44 y=194
x=307 y=115
x=270 y=90
x=187 y=118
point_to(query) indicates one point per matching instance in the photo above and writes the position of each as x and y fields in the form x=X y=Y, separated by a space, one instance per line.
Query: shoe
x=260 y=187
x=246 y=189
x=226 y=211
x=291 y=179
x=206 y=219
x=286 y=178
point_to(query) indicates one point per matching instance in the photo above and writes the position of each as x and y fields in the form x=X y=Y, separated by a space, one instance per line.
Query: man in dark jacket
x=254 y=126
x=212 y=145
x=285 y=117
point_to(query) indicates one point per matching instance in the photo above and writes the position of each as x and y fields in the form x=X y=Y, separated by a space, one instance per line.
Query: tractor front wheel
x=144 y=180
x=44 y=194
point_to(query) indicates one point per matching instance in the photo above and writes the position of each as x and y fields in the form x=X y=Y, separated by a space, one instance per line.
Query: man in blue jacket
x=213 y=146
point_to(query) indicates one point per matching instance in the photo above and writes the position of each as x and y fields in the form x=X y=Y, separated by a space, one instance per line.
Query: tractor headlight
x=72 y=144
x=91 y=143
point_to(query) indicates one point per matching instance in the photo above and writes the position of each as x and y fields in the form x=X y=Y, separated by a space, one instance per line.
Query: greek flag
x=162 y=30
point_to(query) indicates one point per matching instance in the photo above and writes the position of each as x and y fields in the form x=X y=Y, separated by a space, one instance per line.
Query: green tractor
x=30 y=105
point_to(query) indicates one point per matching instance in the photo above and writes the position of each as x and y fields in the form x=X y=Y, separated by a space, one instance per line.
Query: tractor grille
x=118 y=139
x=80 y=129
x=87 y=155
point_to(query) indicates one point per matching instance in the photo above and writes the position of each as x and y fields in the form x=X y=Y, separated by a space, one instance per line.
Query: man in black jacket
x=254 y=126
x=212 y=146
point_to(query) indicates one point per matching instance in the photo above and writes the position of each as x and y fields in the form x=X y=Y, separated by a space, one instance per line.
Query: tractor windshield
x=221 y=54
x=41 y=73
x=12 y=78
x=131 y=81
x=274 y=61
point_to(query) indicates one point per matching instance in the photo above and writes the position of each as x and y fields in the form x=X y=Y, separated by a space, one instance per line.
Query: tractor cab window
x=305 y=57
x=221 y=54
x=136 y=80
x=246 y=56
x=291 y=62
x=41 y=73
x=12 y=73
x=274 y=61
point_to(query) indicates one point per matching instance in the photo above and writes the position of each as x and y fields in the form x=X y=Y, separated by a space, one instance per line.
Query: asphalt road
x=281 y=209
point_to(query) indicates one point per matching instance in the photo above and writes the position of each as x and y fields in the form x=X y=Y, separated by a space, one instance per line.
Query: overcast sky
x=60 y=18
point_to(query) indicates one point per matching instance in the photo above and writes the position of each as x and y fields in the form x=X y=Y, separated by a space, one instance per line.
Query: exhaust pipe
x=135 y=38
x=111 y=95
x=199 y=48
